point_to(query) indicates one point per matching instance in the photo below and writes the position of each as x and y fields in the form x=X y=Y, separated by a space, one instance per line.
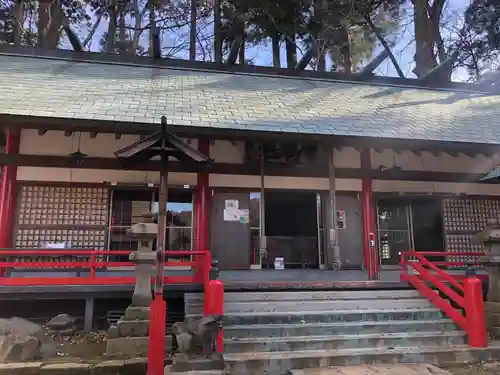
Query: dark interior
x=427 y=226
x=122 y=218
x=291 y=228
x=395 y=229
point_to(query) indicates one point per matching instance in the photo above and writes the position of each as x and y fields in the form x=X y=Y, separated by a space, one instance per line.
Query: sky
x=403 y=49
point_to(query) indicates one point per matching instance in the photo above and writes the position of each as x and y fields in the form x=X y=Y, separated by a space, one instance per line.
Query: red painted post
x=8 y=193
x=156 y=350
x=202 y=203
x=214 y=299
x=474 y=313
x=369 y=240
x=202 y=210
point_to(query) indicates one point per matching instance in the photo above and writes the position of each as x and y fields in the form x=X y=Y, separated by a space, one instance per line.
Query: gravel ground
x=80 y=345
x=492 y=368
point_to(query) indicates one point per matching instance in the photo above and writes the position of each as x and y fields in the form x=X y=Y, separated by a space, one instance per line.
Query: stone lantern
x=490 y=237
x=130 y=334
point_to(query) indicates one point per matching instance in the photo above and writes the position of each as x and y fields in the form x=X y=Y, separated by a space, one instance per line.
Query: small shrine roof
x=75 y=88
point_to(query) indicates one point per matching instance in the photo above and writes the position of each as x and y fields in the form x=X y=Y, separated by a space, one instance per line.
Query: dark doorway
x=405 y=224
x=427 y=226
x=291 y=228
x=394 y=229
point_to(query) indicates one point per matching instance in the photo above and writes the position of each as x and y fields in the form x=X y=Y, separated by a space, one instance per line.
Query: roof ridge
x=209 y=67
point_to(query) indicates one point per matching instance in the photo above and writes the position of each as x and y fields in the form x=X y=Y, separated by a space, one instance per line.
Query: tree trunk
x=152 y=26
x=276 y=50
x=346 y=50
x=49 y=24
x=241 y=52
x=291 y=51
x=425 y=60
x=18 y=19
x=43 y=22
x=192 y=31
x=321 y=62
x=112 y=26
x=122 y=33
x=217 y=32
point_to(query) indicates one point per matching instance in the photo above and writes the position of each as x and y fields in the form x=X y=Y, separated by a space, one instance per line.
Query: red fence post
x=214 y=305
x=474 y=313
x=156 y=350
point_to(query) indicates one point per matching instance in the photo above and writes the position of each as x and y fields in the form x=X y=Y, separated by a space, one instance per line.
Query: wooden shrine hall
x=314 y=177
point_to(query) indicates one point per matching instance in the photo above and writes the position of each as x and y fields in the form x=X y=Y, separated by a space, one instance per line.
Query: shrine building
x=309 y=170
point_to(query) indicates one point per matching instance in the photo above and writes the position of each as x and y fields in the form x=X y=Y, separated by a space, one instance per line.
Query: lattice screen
x=462 y=219
x=75 y=216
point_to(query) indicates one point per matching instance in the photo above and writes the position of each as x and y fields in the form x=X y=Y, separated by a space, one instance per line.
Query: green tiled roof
x=85 y=90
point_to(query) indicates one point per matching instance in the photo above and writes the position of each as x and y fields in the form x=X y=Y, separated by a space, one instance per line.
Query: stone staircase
x=274 y=332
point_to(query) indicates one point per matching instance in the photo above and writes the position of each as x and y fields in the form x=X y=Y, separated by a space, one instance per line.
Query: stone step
x=323 y=342
x=327 y=316
x=339 y=328
x=322 y=305
x=308 y=296
x=279 y=363
x=197 y=372
x=392 y=369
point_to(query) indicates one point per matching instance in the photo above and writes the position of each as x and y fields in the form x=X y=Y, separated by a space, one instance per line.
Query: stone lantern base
x=129 y=336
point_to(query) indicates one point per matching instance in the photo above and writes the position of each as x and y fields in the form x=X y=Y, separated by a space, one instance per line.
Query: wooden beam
x=317 y=170
x=80 y=125
x=470 y=154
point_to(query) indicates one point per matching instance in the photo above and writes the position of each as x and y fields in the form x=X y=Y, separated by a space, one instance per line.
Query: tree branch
x=384 y=44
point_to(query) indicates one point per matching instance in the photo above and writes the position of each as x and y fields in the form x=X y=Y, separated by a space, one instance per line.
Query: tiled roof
x=494 y=175
x=85 y=90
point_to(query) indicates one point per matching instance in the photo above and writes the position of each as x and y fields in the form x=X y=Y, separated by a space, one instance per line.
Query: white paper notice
x=231 y=214
x=232 y=203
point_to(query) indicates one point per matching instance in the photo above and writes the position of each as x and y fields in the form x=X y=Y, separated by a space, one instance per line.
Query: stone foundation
x=130 y=334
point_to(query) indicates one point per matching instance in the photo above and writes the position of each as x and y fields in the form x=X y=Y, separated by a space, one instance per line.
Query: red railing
x=463 y=301
x=87 y=263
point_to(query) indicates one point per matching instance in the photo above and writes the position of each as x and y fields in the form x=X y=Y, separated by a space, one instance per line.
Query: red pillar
x=202 y=204
x=214 y=305
x=369 y=230
x=474 y=313
x=8 y=193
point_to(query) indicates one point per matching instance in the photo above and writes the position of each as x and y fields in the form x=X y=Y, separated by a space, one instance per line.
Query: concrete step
x=392 y=369
x=338 y=328
x=323 y=342
x=320 y=305
x=302 y=317
x=308 y=296
x=279 y=363
x=197 y=372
